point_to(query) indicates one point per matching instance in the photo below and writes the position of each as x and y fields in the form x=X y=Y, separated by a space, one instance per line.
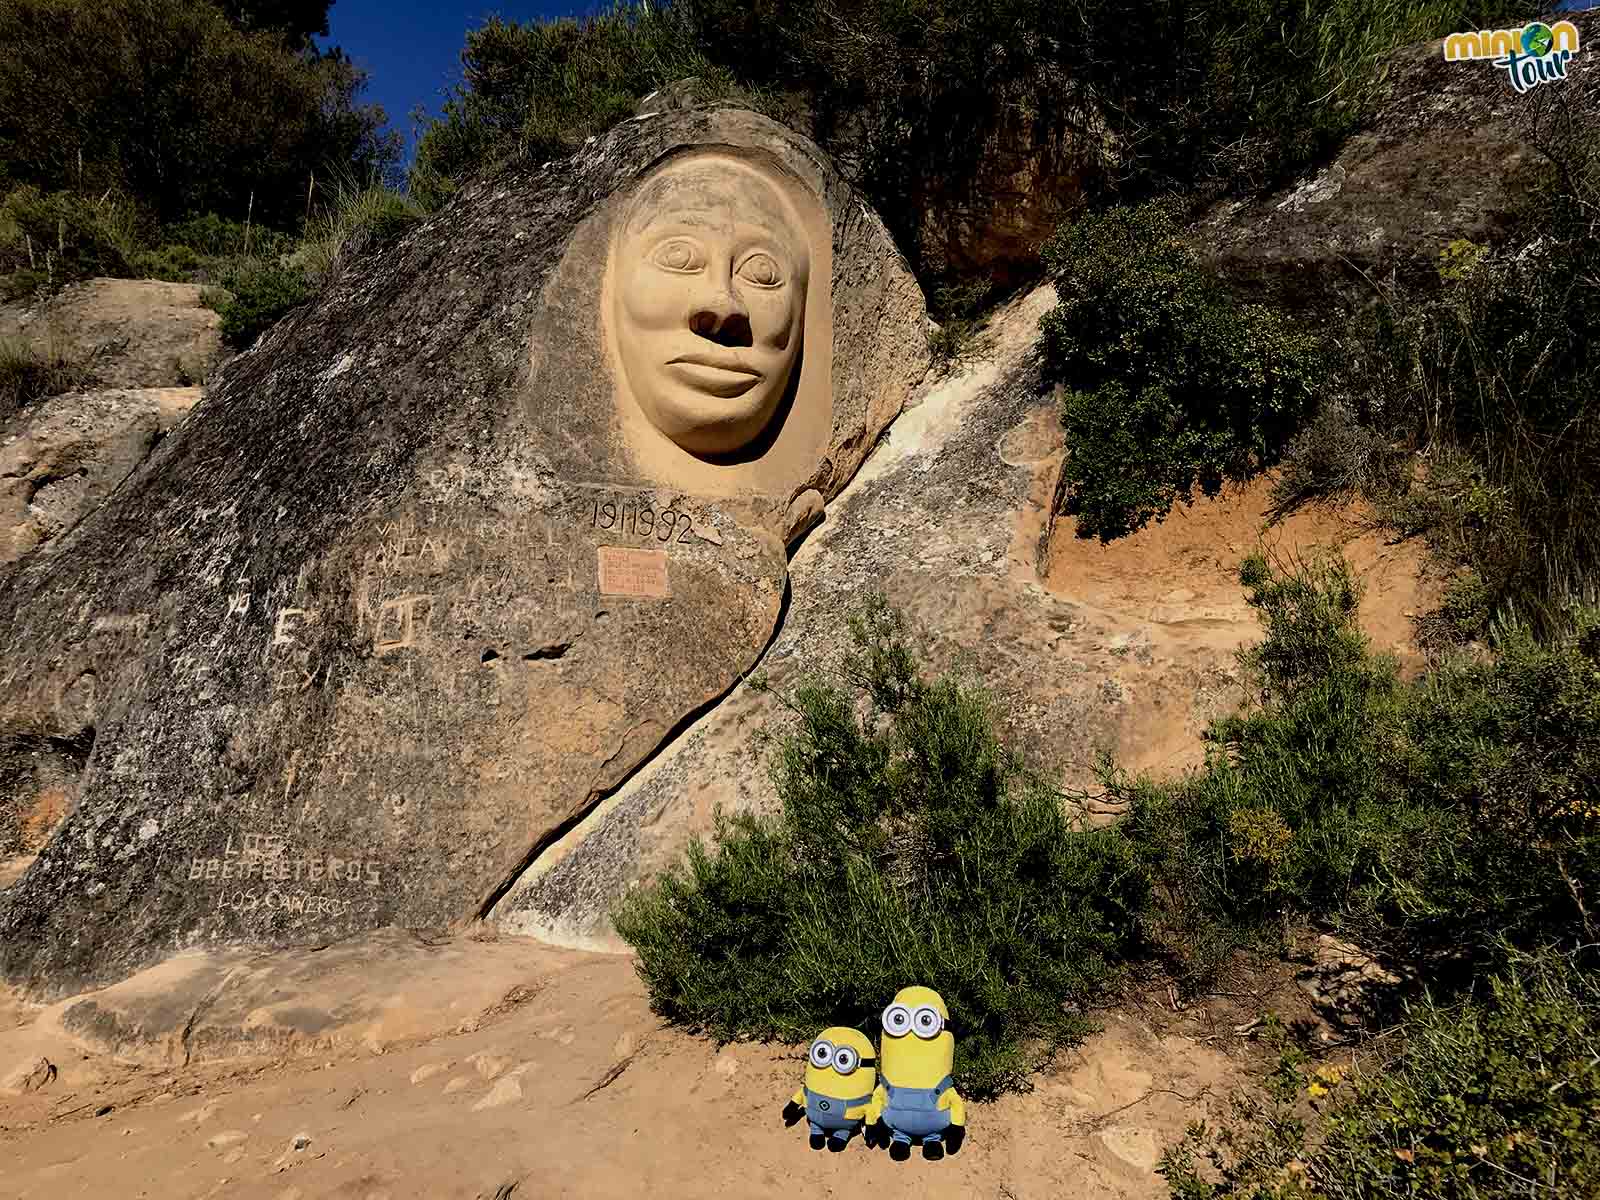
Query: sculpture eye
x=761 y=269
x=678 y=254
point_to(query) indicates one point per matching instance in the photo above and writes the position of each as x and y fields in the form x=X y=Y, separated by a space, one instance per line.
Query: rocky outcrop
x=71 y=452
x=126 y=333
x=416 y=586
x=1451 y=154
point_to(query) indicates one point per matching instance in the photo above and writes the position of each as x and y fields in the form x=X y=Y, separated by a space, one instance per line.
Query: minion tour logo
x=1537 y=53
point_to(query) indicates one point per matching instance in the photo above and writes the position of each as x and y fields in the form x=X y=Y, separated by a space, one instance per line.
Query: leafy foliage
x=1172 y=384
x=1429 y=820
x=1486 y=1100
x=170 y=104
x=60 y=237
x=912 y=847
x=537 y=90
x=256 y=295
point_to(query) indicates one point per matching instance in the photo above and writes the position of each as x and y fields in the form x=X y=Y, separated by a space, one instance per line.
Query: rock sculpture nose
x=722 y=319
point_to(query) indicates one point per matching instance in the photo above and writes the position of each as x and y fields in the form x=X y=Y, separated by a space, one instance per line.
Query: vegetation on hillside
x=1493 y=384
x=191 y=142
x=1170 y=384
x=1492 y=1100
x=911 y=846
x=906 y=95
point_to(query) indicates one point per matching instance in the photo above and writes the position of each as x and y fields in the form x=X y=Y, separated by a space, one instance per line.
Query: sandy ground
x=571 y=1087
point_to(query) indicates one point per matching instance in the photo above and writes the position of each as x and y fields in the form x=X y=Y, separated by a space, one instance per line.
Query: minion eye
x=821 y=1054
x=844 y=1060
x=927 y=1022
x=678 y=254
x=897 y=1020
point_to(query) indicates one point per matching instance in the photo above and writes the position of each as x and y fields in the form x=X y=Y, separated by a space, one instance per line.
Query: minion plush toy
x=916 y=1099
x=839 y=1084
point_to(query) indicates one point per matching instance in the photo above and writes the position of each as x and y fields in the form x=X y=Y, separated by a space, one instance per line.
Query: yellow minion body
x=915 y=1097
x=839 y=1085
x=828 y=1081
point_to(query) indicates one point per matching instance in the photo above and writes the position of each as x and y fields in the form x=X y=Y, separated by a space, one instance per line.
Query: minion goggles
x=924 y=1021
x=842 y=1059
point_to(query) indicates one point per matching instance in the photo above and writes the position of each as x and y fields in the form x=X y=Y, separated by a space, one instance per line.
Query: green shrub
x=171 y=103
x=538 y=90
x=1428 y=820
x=256 y=295
x=1494 y=1099
x=65 y=237
x=1172 y=385
x=213 y=236
x=911 y=848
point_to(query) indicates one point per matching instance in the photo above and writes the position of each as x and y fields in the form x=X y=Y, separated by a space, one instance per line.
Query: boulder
x=950 y=522
x=71 y=452
x=127 y=333
x=451 y=551
x=1451 y=153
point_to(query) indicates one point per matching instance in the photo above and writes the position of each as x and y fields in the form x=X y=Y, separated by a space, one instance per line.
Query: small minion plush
x=916 y=1097
x=839 y=1084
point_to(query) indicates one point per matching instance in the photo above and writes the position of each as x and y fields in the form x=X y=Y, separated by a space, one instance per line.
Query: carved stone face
x=709 y=301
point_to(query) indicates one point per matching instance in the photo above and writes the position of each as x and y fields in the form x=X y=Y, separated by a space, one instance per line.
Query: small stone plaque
x=628 y=572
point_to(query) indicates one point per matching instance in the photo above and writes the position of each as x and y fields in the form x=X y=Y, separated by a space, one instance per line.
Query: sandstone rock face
x=71 y=452
x=1030 y=175
x=1451 y=154
x=130 y=333
x=949 y=521
x=429 y=572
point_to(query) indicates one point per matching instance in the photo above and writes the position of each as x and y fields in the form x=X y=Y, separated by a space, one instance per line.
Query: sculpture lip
x=721 y=377
x=715 y=361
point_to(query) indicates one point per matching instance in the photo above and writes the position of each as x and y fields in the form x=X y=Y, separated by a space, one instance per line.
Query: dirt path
x=574 y=1088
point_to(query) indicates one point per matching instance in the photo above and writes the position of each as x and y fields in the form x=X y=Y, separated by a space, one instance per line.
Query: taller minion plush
x=839 y=1085
x=916 y=1098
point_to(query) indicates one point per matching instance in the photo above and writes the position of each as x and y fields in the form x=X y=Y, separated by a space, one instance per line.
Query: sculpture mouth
x=715 y=375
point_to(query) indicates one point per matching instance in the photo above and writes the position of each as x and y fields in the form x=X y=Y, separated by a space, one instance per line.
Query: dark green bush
x=1172 y=385
x=213 y=236
x=258 y=294
x=1484 y=1101
x=65 y=237
x=170 y=102
x=912 y=848
x=537 y=90
x=1428 y=820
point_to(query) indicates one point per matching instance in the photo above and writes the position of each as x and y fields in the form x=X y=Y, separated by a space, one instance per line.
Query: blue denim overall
x=915 y=1112
x=825 y=1113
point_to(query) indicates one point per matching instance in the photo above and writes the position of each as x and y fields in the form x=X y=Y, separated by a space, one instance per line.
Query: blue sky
x=411 y=48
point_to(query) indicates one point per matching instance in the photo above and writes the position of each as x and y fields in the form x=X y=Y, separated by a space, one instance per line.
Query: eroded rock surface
x=126 y=333
x=414 y=588
x=71 y=452
x=1452 y=154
